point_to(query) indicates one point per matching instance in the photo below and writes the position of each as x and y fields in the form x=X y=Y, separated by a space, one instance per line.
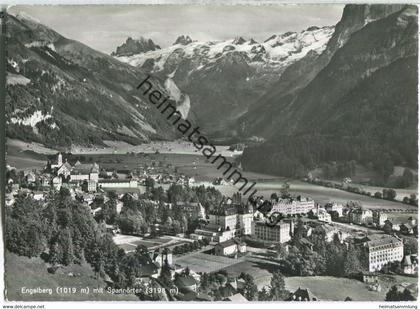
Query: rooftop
x=384 y=241
x=115 y=180
x=185 y=281
x=237 y=298
x=85 y=168
x=229 y=243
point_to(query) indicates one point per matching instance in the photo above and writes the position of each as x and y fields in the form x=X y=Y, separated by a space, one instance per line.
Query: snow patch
x=33 y=119
x=279 y=50
x=172 y=74
x=145 y=126
x=13 y=64
x=183 y=100
x=173 y=89
x=184 y=107
x=51 y=46
x=35 y=44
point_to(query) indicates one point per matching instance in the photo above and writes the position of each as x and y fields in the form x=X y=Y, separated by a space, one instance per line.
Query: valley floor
x=182 y=155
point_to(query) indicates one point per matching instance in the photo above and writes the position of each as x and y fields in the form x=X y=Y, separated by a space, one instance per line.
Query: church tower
x=60 y=160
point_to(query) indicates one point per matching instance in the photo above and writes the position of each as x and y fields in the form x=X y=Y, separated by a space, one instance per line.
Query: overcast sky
x=104 y=27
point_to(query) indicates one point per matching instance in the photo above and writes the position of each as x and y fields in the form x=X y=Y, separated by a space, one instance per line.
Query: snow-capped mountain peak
x=189 y=67
x=278 y=50
x=132 y=47
x=183 y=40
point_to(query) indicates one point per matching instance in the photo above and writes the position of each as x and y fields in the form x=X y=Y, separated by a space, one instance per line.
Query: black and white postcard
x=208 y=152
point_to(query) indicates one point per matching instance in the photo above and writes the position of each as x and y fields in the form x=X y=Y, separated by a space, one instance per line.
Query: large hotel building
x=280 y=233
x=384 y=250
x=299 y=205
x=226 y=223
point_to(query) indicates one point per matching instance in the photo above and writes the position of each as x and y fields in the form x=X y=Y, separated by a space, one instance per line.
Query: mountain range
x=221 y=79
x=359 y=101
x=297 y=99
x=61 y=92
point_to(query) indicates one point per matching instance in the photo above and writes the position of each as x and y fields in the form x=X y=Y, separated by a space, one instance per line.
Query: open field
x=260 y=269
x=364 y=176
x=25 y=158
x=34 y=147
x=401 y=193
x=22 y=163
x=177 y=147
x=22 y=272
x=139 y=190
x=323 y=195
x=400 y=217
x=197 y=166
x=202 y=262
x=332 y=288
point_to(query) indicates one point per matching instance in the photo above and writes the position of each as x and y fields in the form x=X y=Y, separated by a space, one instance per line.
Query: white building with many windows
x=384 y=250
x=117 y=183
x=280 y=233
x=299 y=205
x=361 y=216
x=230 y=248
x=335 y=207
x=226 y=222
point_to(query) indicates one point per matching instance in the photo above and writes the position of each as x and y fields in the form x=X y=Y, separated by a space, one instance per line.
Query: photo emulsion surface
x=203 y=152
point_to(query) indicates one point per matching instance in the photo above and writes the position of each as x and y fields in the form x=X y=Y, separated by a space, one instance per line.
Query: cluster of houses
x=59 y=172
x=232 y=220
x=227 y=224
x=378 y=219
x=162 y=175
x=91 y=178
x=361 y=216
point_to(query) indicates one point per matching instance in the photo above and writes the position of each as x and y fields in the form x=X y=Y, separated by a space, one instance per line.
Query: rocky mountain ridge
x=62 y=92
x=132 y=47
x=362 y=105
x=221 y=79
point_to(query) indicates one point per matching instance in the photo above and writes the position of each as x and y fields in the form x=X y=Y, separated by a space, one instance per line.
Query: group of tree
x=314 y=255
x=157 y=206
x=386 y=194
x=107 y=209
x=214 y=284
x=176 y=193
x=138 y=216
x=338 y=169
x=276 y=291
x=394 y=294
x=63 y=232
x=190 y=246
x=296 y=155
x=19 y=178
x=412 y=199
x=407 y=179
x=250 y=289
x=389 y=194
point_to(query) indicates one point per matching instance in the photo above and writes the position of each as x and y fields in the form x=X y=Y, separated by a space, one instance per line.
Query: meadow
x=23 y=272
x=337 y=289
x=186 y=161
